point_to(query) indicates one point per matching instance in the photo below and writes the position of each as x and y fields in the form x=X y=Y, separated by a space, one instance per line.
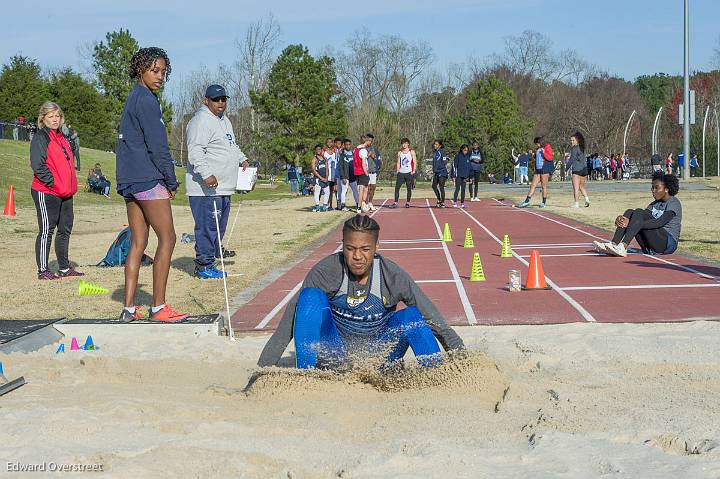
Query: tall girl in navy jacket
x=440 y=173
x=460 y=172
x=146 y=179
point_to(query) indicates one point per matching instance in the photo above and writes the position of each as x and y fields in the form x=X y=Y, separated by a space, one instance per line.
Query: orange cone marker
x=536 y=275
x=10 y=203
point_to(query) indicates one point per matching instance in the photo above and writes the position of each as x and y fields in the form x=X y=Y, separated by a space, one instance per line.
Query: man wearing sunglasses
x=212 y=171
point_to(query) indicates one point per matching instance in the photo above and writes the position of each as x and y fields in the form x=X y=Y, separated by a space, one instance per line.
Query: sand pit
x=579 y=400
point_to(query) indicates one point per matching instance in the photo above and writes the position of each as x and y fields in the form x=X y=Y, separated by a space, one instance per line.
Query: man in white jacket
x=213 y=161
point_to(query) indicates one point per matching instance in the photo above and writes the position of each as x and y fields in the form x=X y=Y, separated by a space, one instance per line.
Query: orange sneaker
x=167 y=315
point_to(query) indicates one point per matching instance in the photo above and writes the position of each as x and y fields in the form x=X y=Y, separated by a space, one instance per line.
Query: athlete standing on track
x=347 y=174
x=362 y=173
x=578 y=163
x=476 y=160
x=320 y=173
x=460 y=172
x=440 y=173
x=330 y=154
x=543 y=169
x=405 y=167
x=374 y=166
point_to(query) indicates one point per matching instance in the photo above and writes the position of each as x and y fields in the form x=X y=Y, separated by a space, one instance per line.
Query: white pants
x=343 y=194
x=325 y=191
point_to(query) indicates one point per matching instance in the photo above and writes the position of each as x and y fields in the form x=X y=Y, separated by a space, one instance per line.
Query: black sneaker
x=393 y=206
x=227 y=253
x=47 y=274
x=407 y=205
x=69 y=273
x=127 y=317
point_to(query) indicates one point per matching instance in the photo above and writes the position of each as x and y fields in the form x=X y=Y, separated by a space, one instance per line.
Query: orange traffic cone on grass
x=536 y=275
x=10 y=203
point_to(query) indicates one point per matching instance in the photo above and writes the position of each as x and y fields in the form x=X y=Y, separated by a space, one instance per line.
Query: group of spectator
x=613 y=167
x=22 y=130
x=675 y=167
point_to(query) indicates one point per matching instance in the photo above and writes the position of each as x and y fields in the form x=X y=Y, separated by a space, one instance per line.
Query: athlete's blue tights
x=317 y=340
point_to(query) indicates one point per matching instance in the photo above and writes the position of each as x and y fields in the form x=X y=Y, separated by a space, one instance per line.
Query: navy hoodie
x=142 y=153
x=461 y=165
x=438 y=165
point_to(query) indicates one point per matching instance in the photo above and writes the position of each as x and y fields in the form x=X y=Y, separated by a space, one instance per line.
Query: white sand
x=584 y=400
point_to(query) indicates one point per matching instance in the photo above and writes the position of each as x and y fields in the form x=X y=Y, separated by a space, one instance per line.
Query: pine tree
x=300 y=104
x=22 y=89
x=490 y=115
x=85 y=109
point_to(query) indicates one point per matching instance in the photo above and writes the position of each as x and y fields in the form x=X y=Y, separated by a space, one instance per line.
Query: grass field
x=273 y=231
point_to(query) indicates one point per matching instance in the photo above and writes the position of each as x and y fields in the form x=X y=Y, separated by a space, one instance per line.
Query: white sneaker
x=600 y=247
x=575 y=205
x=587 y=202
x=370 y=207
x=616 y=249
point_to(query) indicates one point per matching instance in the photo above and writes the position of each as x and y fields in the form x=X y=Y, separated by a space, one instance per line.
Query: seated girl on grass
x=656 y=228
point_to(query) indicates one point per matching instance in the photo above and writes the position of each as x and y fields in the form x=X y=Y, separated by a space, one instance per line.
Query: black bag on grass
x=119 y=249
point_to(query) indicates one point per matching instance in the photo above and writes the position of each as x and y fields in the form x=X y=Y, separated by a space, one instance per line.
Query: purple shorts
x=158 y=192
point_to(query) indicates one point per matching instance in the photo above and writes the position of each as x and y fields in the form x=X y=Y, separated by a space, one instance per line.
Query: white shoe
x=616 y=249
x=600 y=247
x=371 y=207
x=575 y=205
x=587 y=202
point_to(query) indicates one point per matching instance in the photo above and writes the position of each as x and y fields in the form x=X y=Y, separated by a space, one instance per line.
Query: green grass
x=15 y=170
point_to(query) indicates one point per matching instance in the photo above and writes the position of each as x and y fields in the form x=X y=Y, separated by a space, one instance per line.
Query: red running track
x=586 y=286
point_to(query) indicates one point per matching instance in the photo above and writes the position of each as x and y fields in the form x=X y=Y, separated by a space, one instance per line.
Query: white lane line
x=642 y=286
x=456 y=277
x=539 y=245
x=583 y=312
x=435 y=281
x=409 y=249
x=552 y=247
x=268 y=317
x=654 y=257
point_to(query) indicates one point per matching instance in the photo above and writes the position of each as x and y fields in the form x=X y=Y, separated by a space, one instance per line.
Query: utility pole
x=686 y=101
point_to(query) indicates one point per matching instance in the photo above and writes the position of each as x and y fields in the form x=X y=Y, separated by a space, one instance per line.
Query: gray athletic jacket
x=212 y=151
x=578 y=162
x=397 y=286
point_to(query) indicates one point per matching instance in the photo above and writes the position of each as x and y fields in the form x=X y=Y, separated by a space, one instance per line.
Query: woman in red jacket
x=53 y=187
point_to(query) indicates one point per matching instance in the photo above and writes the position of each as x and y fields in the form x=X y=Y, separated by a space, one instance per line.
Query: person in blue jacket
x=146 y=180
x=440 y=173
x=460 y=173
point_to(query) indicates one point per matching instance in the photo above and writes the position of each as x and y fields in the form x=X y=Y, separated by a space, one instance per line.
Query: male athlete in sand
x=346 y=308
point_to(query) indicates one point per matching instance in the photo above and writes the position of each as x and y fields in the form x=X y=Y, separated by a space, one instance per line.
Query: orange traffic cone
x=536 y=275
x=10 y=203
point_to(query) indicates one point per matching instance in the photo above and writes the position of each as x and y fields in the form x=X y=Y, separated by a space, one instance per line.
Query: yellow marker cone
x=468 y=239
x=506 y=248
x=447 y=237
x=477 y=273
x=89 y=289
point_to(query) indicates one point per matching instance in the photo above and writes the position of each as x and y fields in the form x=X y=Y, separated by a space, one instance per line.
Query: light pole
x=627 y=126
x=707 y=111
x=686 y=85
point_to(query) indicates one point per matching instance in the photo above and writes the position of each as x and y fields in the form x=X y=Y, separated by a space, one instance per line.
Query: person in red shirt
x=53 y=187
x=362 y=173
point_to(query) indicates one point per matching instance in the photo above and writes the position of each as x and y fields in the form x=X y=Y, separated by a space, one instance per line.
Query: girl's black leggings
x=406 y=179
x=459 y=185
x=655 y=239
x=475 y=182
x=438 y=186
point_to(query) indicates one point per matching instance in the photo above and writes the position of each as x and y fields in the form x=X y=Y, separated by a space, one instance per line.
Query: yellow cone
x=477 y=273
x=468 y=239
x=89 y=289
x=447 y=237
x=506 y=248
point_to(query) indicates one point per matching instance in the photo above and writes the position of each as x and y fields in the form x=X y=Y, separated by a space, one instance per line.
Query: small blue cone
x=60 y=349
x=89 y=346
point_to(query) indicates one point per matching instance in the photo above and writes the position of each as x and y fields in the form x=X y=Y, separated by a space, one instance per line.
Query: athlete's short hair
x=144 y=59
x=370 y=136
x=404 y=140
x=538 y=139
x=339 y=138
x=670 y=181
x=317 y=146
x=347 y=140
x=439 y=142
x=362 y=224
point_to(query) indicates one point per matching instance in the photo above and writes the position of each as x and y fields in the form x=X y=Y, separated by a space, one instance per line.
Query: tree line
x=286 y=100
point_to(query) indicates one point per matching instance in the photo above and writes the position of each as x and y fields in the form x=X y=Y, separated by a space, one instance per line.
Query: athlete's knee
x=315 y=297
x=628 y=213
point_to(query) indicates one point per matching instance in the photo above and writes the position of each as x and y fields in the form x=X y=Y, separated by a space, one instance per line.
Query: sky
x=625 y=38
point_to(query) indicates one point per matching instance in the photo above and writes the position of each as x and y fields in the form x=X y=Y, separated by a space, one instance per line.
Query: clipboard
x=246 y=179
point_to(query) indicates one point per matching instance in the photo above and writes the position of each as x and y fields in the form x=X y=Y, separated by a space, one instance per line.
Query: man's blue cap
x=215 y=91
